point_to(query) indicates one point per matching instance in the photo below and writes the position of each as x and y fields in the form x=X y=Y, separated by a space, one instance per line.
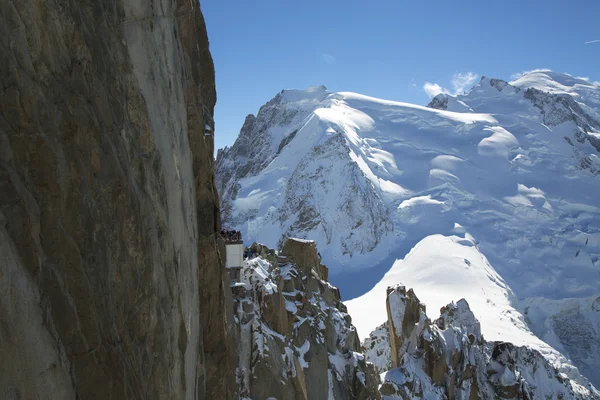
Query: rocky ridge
x=449 y=358
x=296 y=340
x=510 y=167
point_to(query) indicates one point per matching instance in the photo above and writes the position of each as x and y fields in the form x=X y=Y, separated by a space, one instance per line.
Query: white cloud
x=328 y=58
x=460 y=82
x=592 y=41
x=516 y=76
x=433 y=89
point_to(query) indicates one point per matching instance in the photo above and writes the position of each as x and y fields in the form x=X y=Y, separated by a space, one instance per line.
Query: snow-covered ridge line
x=450 y=358
x=512 y=168
x=359 y=100
x=440 y=268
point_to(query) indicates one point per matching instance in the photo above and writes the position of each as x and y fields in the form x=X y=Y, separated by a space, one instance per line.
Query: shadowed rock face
x=439 y=102
x=109 y=262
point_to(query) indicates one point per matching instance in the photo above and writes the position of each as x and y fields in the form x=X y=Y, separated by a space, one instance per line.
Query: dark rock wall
x=110 y=274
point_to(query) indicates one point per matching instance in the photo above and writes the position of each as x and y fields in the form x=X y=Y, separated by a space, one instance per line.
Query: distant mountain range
x=491 y=196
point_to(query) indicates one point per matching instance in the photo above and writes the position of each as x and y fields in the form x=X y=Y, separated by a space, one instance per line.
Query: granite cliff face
x=109 y=264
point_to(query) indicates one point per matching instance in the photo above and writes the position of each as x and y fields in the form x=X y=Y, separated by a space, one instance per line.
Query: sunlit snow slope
x=505 y=177
x=451 y=267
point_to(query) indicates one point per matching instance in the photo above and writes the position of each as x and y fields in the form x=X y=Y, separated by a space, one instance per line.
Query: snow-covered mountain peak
x=564 y=88
x=392 y=151
x=489 y=95
x=509 y=168
x=311 y=95
x=491 y=87
x=553 y=82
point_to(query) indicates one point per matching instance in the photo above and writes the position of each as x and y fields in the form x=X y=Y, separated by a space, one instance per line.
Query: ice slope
x=338 y=166
x=571 y=326
x=553 y=82
x=441 y=267
x=514 y=165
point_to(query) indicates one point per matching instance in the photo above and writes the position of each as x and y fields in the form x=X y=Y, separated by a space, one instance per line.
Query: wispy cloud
x=517 y=75
x=460 y=82
x=328 y=58
x=433 y=89
x=593 y=41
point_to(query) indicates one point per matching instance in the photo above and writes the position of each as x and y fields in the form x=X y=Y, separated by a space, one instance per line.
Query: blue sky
x=392 y=49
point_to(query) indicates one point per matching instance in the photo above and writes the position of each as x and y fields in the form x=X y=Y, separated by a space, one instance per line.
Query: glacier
x=489 y=196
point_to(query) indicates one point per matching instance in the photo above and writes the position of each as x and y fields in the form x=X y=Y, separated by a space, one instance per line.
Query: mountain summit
x=494 y=192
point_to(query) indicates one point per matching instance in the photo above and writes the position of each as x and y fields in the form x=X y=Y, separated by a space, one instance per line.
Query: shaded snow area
x=571 y=326
x=495 y=191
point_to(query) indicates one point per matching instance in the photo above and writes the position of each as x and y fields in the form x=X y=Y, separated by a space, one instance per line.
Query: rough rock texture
x=296 y=339
x=449 y=359
x=404 y=314
x=305 y=255
x=556 y=109
x=109 y=263
x=439 y=102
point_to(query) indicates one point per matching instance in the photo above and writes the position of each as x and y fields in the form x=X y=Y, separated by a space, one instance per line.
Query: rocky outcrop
x=499 y=84
x=296 y=339
x=439 y=102
x=449 y=359
x=109 y=260
x=405 y=312
x=556 y=109
x=305 y=255
x=377 y=348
